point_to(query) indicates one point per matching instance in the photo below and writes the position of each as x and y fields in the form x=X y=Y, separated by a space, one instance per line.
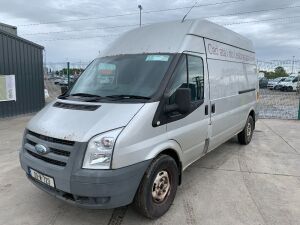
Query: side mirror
x=63 y=89
x=182 y=101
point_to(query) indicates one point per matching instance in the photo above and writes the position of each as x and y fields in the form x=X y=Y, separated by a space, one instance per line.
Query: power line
x=263 y=20
x=229 y=24
x=255 y=11
x=79 y=38
x=130 y=25
x=196 y=6
x=79 y=30
x=129 y=14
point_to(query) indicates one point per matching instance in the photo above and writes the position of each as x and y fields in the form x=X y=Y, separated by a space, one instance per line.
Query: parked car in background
x=57 y=80
x=263 y=82
x=273 y=84
x=290 y=84
x=63 y=82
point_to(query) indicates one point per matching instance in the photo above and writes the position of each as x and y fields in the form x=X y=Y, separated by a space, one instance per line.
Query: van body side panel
x=140 y=141
x=233 y=84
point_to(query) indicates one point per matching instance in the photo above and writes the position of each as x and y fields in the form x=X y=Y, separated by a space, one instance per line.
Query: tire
x=147 y=201
x=289 y=89
x=245 y=136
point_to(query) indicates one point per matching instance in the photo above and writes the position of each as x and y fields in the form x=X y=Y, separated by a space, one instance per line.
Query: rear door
x=191 y=130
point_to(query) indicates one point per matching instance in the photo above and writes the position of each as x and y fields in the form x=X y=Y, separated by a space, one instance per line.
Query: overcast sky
x=273 y=39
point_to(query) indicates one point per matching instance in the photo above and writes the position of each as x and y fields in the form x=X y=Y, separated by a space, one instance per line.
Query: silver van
x=158 y=99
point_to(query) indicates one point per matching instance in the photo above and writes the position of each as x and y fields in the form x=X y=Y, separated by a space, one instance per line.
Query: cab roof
x=169 y=37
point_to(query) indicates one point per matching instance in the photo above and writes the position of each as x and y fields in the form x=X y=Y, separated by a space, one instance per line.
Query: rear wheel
x=158 y=187
x=245 y=136
x=289 y=88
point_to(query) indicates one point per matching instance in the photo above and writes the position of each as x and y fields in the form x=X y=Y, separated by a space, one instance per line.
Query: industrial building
x=21 y=74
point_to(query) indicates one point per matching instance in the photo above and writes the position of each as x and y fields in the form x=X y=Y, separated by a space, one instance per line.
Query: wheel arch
x=252 y=114
x=173 y=154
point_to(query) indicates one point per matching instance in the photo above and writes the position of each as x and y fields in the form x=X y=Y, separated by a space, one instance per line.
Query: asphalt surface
x=234 y=185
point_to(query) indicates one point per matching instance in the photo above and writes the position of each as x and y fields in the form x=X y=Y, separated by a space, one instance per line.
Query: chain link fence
x=278 y=105
x=275 y=104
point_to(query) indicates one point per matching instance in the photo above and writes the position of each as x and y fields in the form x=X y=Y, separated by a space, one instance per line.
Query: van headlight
x=99 y=151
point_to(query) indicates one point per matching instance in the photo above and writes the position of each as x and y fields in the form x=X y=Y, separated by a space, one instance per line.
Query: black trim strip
x=224 y=60
x=221 y=42
x=247 y=90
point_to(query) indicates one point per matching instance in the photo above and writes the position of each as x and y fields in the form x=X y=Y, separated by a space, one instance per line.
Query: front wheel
x=158 y=187
x=245 y=136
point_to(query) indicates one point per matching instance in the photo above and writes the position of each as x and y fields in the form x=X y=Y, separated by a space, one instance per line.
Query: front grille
x=59 y=150
x=48 y=160
x=50 y=139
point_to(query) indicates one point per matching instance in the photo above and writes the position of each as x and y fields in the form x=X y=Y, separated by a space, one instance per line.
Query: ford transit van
x=158 y=99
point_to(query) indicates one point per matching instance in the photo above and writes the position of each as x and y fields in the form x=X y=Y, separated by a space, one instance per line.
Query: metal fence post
x=68 y=73
x=299 y=109
x=298 y=92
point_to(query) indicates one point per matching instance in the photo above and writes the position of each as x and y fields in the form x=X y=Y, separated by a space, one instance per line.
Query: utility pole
x=140 y=7
x=293 y=64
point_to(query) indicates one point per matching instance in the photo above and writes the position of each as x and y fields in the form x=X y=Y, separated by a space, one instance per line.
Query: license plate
x=41 y=177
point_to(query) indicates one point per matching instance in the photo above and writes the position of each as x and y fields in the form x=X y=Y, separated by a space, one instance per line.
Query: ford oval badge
x=41 y=149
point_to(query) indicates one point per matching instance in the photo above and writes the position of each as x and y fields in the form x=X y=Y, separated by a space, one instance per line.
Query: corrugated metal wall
x=8 y=28
x=25 y=60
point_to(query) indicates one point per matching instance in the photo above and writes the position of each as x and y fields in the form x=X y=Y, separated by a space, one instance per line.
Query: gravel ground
x=278 y=105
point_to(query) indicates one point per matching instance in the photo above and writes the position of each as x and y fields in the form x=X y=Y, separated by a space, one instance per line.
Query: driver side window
x=189 y=73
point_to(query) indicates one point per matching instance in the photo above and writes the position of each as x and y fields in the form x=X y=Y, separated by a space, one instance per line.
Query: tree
x=278 y=72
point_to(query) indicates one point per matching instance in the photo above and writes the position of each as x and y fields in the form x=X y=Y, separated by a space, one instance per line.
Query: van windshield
x=125 y=75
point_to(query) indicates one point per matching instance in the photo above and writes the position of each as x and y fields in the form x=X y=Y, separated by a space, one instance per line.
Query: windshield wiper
x=127 y=97
x=64 y=96
x=88 y=97
x=85 y=95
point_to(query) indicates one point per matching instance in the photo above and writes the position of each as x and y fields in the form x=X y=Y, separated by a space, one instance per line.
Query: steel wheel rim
x=249 y=129
x=161 y=186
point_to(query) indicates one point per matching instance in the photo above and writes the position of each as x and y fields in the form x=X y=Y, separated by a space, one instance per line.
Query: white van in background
x=290 y=83
x=273 y=84
x=158 y=99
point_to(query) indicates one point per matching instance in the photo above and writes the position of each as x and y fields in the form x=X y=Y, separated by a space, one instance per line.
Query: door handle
x=206 y=110
x=213 y=108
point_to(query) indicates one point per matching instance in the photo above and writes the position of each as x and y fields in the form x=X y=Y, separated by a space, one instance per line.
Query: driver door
x=191 y=129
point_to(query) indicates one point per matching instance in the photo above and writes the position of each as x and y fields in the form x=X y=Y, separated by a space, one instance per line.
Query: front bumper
x=95 y=189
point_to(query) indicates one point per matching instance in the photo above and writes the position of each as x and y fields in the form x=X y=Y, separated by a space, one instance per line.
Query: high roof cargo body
x=173 y=37
x=158 y=99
